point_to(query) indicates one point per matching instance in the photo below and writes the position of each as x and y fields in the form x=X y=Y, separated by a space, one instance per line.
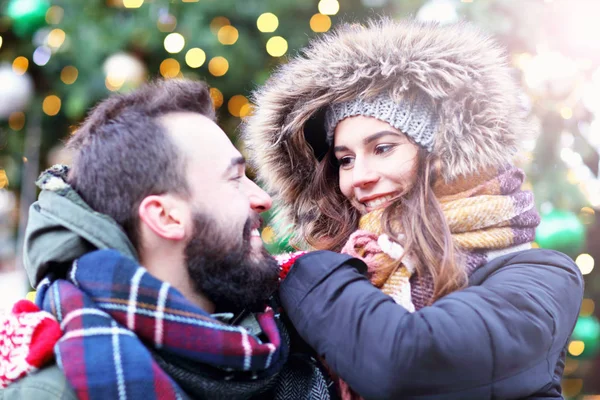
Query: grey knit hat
x=416 y=117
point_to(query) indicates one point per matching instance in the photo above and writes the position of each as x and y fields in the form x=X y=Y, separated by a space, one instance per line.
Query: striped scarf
x=118 y=320
x=488 y=216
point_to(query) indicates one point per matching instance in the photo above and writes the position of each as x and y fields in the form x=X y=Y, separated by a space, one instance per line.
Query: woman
x=394 y=143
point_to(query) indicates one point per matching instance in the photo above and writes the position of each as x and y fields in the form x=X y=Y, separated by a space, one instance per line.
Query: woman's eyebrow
x=375 y=136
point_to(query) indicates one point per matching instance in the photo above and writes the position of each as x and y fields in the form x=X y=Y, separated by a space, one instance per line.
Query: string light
x=195 y=57
x=42 y=55
x=174 y=43
x=320 y=23
x=20 y=65
x=56 y=38
x=54 y=15
x=587 y=307
x=166 y=23
x=217 y=97
x=217 y=23
x=267 y=22
x=69 y=75
x=16 y=121
x=235 y=104
x=0 y=42
x=114 y=83
x=170 y=68
x=585 y=262
x=277 y=46
x=218 y=66
x=566 y=112
x=51 y=105
x=3 y=179
x=228 y=35
x=576 y=347
x=133 y=3
x=329 y=7
x=246 y=110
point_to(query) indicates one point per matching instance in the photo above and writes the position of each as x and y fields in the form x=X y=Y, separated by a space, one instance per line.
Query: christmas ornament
x=587 y=331
x=122 y=69
x=561 y=230
x=16 y=90
x=27 y=15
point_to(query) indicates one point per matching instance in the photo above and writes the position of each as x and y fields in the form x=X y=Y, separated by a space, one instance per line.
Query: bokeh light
x=277 y=46
x=267 y=22
x=218 y=66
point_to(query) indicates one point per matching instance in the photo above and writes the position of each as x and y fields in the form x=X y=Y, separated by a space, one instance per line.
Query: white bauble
x=15 y=91
x=125 y=68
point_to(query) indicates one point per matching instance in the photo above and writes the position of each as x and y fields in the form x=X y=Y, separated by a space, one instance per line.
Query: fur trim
x=462 y=69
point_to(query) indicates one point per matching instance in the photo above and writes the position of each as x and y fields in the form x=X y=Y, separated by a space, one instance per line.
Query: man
x=155 y=182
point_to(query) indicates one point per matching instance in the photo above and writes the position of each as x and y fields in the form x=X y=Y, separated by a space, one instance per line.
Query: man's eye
x=383 y=148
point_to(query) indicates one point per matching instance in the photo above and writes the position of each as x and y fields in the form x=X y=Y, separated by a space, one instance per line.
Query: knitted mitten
x=27 y=338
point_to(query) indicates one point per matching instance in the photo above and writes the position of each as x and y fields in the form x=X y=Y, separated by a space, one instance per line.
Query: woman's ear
x=164 y=215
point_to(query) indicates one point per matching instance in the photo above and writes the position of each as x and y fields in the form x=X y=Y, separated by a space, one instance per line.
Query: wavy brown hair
x=428 y=240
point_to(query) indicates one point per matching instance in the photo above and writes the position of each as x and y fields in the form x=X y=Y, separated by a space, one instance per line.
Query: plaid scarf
x=117 y=318
x=488 y=216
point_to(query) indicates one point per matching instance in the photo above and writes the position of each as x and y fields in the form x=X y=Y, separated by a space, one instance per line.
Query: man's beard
x=225 y=269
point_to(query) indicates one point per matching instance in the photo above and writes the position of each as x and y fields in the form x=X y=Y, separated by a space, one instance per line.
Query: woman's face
x=377 y=163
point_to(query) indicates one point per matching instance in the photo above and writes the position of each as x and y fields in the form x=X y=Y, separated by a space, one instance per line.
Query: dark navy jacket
x=503 y=337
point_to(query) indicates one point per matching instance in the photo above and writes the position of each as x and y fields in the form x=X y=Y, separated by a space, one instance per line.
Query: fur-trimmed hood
x=460 y=68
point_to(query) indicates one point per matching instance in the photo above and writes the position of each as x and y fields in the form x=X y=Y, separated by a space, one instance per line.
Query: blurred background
x=59 y=57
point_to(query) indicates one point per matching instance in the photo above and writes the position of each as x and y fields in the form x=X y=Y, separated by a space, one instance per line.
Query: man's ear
x=164 y=215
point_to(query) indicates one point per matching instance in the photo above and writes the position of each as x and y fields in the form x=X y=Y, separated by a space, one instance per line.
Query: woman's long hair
x=427 y=237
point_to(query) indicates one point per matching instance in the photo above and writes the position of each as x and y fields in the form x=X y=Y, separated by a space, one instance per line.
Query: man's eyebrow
x=369 y=139
x=235 y=162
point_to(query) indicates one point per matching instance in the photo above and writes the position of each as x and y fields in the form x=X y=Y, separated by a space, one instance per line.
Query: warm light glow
x=174 y=43
x=329 y=7
x=566 y=112
x=170 y=68
x=217 y=23
x=20 y=65
x=3 y=179
x=133 y=3
x=228 y=35
x=0 y=42
x=571 y=387
x=16 y=121
x=114 y=83
x=320 y=23
x=277 y=46
x=576 y=347
x=246 y=110
x=571 y=366
x=587 y=215
x=217 y=97
x=268 y=235
x=51 y=105
x=69 y=75
x=235 y=104
x=267 y=22
x=218 y=66
x=190 y=1
x=195 y=57
x=587 y=307
x=585 y=262
x=56 y=38
x=54 y=15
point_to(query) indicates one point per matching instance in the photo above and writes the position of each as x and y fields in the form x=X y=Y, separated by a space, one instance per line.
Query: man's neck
x=172 y=269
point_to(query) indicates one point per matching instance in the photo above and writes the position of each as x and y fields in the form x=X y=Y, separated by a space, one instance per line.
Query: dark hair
x=123 y=153
x=428 y=238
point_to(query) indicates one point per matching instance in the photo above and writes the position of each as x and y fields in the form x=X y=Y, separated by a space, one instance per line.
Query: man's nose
x=260 y=201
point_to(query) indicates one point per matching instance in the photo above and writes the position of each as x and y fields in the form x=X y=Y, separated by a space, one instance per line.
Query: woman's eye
x=383 y=148
x=345 y=162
